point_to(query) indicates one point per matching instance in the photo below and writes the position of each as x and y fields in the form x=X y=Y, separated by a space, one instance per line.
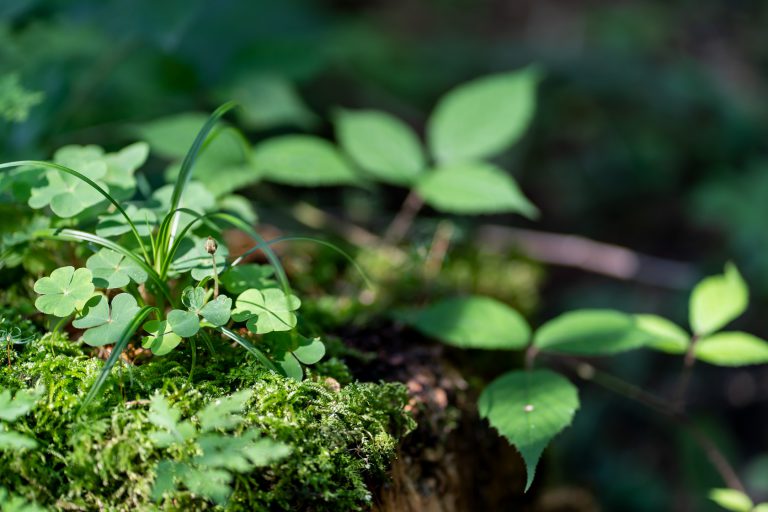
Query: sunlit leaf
x=717 y=300
x=529 y=408
x=472 y=322
x=111 y=269
x=302 y=160
x=732 y=349
x=591 y=332
x=266 y=310
x=64 y=291
x=106 y=325
x=666 y=335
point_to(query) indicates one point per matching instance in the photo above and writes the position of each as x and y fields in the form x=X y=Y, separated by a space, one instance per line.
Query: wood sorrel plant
x=529 y=407
x=153 y=267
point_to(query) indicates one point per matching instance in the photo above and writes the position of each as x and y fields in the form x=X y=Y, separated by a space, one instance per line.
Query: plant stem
x=404 y=218
x=685 y=376
x=215 y=277
x=621 y=387
x=530 y=356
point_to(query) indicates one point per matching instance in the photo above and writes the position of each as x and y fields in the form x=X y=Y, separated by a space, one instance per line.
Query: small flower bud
x=211 y=245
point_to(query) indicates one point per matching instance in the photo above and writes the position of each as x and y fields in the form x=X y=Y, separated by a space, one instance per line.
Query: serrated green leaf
x=106 y=325
x=221 y=414
x=482 y=118
x=309 y=351
x=731 y=499
x=111 y=269
x=183 y=323
x=214 y=484
x=472 y=322
x=666 y=335
x=64 y=291
x=217 y=311
x=381 y=145
x=717 y=300
x=529 y=408
x=732 y=349
x=474 y=188
x=266 y=310
x=167 y=418
x=302 y=160
x=161 y=339
x=239 y=278
x=591 y=332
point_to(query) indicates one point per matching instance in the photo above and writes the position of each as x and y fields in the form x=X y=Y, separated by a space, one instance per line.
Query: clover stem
x=687 y=371
x=59 y=324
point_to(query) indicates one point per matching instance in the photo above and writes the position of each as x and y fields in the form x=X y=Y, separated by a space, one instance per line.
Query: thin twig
x=402 y=222
x=685 y=376
x=441 y=241
x=619 y=386
x=597 y=257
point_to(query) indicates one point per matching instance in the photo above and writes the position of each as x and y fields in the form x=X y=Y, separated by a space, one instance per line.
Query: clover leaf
x=115 y=224
x=193 y=257
x=114 y=270
x=266 y=310
x=215 y=312
x=106 y=325
x=239 y=278
x=161 y=339
x=68 y=195
x=64 y=291
x=183 y=323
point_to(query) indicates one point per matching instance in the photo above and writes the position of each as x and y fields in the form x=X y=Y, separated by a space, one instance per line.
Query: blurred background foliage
x=650 y=132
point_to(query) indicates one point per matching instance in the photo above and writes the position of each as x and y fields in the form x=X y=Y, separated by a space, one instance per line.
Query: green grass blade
x=247 y=345
x=189 y=161
x=118 y=349
x=92 y=184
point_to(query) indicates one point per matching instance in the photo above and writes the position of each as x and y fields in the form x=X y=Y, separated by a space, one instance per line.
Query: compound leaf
x=221 y=414
x=731 y=499
x=266 y=310
x=217 y=311
x=666 y=336
x=302 y=160
x=161 y=339
x=183 y=323
x=111 y=269
x=106 y=325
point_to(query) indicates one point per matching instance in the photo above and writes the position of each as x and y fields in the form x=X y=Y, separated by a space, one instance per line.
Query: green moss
x=103 y=459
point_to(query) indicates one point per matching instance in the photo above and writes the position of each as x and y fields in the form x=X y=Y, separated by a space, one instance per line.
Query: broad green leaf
x=591 y=332
x=731 y=499
x=64 y=291
x=106 y=325
x=762 y=507
x=121 y=167
x=217 y=311
x=222 y=413
x=529 y=408
x=472 y=322
x=732 y=349
x=183 y=323
x=223 y=166
x=381 y=145
x=22 y=402
x=269 y=101
x=239 y=278
x=483 y=117
x=666 y=336
x=111 y=269
x=161 y=339
x=266 y=310
x=302 y=160
x=474 y=188
x=717 y=300
x=238 y=205
x=171 y=136
x=309 y=351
